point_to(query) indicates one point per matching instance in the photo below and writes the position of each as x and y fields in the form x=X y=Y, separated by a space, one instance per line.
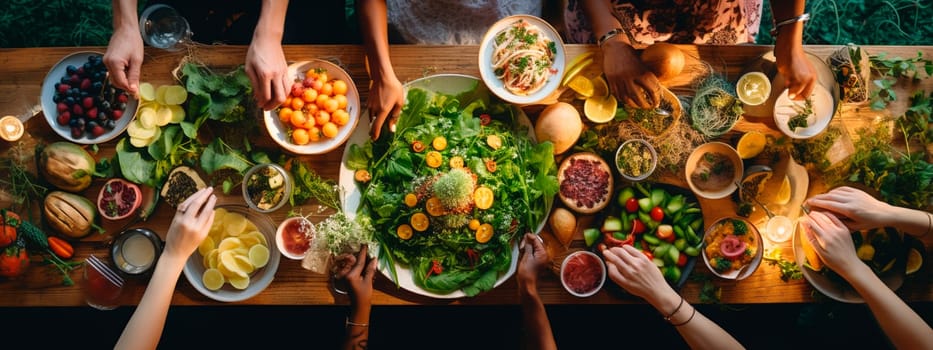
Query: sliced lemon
x=229 y=264
x=581 y=85
x=600 y=88
x=579 y=59
x=259 y=255
x=573 y=71
x=600 y=109
x=243 y=263
x=914 y=260
x=239 y=282
x=212 y=279
x=206 y=246
x=865 y=252
x=783 y=193
x=751 y=144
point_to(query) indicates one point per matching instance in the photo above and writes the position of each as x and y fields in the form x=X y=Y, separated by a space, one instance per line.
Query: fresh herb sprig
x=892 y=69
x=799 y=120
x=22 y=186
x=310 y=185
x=902 y=178
x=789 y=269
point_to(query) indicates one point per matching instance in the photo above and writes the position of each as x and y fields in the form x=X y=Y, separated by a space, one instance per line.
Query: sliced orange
x=404 y=231
x=439 y=143
x=483 y=197
x=484 y=233
x=434 y=207
x=411 y=200
x=419 y=222
x=456 y=162
x=434 y=159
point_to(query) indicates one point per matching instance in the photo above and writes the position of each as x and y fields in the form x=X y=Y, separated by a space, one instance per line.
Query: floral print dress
x=717 y=22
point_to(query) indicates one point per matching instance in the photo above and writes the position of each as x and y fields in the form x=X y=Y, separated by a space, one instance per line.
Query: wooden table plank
x=22 y=72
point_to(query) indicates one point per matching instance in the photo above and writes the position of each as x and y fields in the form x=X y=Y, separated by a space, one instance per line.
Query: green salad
x=452 y=189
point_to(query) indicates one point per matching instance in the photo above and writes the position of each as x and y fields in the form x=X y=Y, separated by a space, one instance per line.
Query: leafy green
x=523 y=180
x=902 y=178
x=309 y=184
x=221 y=97
x=892 y=69
x=218 y=155
x=789 y=269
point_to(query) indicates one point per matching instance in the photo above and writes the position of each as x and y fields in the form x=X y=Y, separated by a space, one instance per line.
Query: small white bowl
x=582 y=256
x=717 y=147
x=653 y=160
x=280 y=237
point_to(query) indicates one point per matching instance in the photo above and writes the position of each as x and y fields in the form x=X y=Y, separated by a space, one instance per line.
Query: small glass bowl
x=588 y=257
x=257 y=171
x=636 y=143
x=280 y=237
x=136 y=251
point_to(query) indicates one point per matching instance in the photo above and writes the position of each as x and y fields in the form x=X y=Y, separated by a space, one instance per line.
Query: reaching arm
x=832 y=241
x=538 y=334
x=859 y=210
x=124 y=55
x=358 y=271
x=628 y=79
x=265 y=60
x=386 y=95
x=189 y=227
x=632 y=270
x=792 y=62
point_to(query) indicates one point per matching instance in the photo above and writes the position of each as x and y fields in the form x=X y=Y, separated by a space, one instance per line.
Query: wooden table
x=22 y=72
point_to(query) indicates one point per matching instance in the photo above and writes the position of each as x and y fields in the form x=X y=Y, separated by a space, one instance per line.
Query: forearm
x=901 y=324
x=271 y=24
x=537 y=330
x=698 y=331
x=358 y=327
x=599 y=13
x=914 y=222
x=144 y=329
x=124 y=15
x=374 y=28
x=789 y=36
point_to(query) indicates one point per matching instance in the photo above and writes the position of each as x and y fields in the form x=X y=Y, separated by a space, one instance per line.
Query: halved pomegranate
x=118 y=199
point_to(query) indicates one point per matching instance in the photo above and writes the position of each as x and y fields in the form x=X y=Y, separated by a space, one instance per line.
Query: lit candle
x=780 y=228
x=11 y=128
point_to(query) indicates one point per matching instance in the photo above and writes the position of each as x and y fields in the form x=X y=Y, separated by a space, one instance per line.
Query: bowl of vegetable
x=733 y=248
x=713 y=169
x=266 y=187
x=665 y=222
x=636 y=159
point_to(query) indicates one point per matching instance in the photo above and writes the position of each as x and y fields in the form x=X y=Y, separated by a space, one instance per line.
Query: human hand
x=631 y=269
x=856 y=209
x=832 y=241
x=266 y=69
x=358 y=271
x=628 y=79
x=191 y=224
x=123 y=58
x=386 y=99
x=534 y=259
x=799 y=74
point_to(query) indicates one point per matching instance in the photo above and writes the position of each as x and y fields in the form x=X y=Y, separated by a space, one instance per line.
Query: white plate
x=489 y=75
x=442 y=83
x=721 y=148
x=51 y=112
x=823 y=108
x=279 y=132
x=258 y=281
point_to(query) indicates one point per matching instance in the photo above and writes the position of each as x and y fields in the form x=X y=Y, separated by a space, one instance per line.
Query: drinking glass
x=163 y=27
x=102 y=285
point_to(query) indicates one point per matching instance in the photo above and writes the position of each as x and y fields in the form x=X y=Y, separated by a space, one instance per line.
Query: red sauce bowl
x=293 y=237
x=582 y=273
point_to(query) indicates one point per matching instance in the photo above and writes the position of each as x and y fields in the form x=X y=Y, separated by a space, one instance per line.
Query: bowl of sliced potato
x=238 y=258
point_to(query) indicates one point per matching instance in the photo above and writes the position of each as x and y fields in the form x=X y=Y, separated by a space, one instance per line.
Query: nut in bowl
x=713 y=170
x=521 y=59
x=583 y=273
x=320 y=112
x=234 y=263
x=733 y=248
x=636 y=159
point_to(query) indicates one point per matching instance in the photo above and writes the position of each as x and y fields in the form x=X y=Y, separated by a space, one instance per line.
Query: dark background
x=773 y=326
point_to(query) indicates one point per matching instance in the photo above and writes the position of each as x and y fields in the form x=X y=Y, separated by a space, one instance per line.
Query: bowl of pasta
x=521 y=59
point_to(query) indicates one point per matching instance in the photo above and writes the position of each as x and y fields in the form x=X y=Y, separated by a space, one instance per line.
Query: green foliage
x=893 y=69
x=903 y=179
x=864 y=22
x=789 y=269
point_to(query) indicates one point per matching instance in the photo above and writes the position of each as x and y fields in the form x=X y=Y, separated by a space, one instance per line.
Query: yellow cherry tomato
x=419 y=222
x=434 y=207
x=411 y=200
x=434 y=159
x=483 y=197
x=404 y=231
x=456 y=162
x=484 y=233
x=474 y=224
x=439 y=143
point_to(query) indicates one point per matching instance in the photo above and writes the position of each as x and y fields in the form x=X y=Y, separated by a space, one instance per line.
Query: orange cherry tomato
x=404 y=232
x=419 y=222
x=484 y=233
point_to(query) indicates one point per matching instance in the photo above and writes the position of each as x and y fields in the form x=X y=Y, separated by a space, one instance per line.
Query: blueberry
x=65 y=80
x=110 y=124
x=91 y=124
x=120 y=106
x=102 y=116
x=105 y=105
x=57 y=98
x=73 y=122
x=87 y=67
x=70 y=100
x=71 y=69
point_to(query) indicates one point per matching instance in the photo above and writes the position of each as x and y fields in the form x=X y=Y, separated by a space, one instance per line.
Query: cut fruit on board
x=600 y=109
x=751 y=144
x=784 y=192
x=581 y=85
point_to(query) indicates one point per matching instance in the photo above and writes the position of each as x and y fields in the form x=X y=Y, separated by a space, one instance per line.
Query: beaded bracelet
x=350 y=323
x=804 y=17
x=609 y=35
x=688 y=320
x=668 y=317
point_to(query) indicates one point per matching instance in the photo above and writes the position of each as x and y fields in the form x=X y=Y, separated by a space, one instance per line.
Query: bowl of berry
x=79 y=102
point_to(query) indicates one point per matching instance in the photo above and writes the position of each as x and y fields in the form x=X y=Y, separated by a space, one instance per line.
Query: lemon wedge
x=574 y=70
x=914 y=260
x=212 y=279
x=581 y=85
x=751 y=144
x=783 y=193
x=600 y=109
